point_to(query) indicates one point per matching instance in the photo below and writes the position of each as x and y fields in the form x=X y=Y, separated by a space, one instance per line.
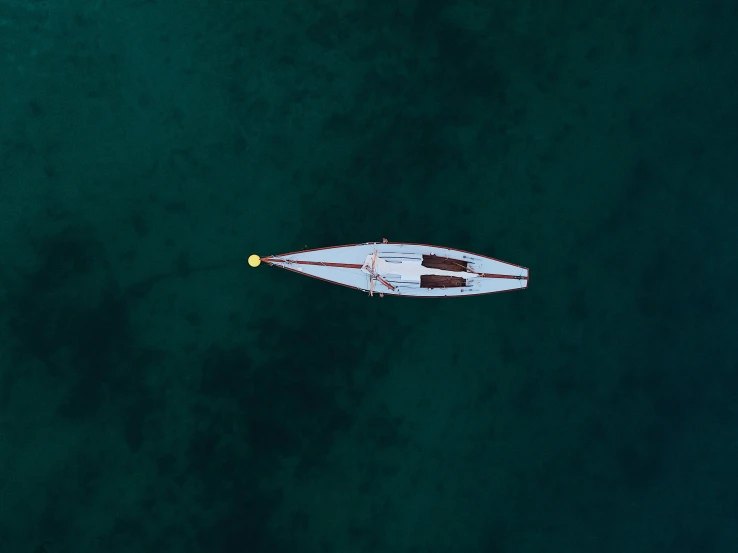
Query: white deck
x=400 y=265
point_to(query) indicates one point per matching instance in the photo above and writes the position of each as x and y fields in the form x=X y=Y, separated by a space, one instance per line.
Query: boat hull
x=409 y=269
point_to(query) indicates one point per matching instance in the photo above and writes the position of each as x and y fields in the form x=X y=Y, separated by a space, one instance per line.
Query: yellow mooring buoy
x=254 y=260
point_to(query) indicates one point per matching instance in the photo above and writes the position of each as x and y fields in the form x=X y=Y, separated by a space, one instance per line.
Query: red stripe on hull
x=324 y=264
x=490 y=275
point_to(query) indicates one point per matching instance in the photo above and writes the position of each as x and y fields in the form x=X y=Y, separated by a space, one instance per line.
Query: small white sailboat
x=404 y=269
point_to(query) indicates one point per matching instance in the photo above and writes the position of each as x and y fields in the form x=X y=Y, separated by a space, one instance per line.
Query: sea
x=158 y=394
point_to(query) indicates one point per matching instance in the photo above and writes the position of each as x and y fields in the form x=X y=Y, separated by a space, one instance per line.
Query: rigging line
x=467 y=268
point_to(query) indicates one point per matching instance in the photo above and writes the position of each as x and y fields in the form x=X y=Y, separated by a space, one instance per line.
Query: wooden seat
x=441 y=281
x=444 y=263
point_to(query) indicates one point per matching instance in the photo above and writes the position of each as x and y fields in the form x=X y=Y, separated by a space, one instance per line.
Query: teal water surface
x=158 y=394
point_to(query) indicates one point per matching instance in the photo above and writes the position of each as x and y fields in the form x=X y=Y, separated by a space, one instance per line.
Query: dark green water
x=157 y=394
